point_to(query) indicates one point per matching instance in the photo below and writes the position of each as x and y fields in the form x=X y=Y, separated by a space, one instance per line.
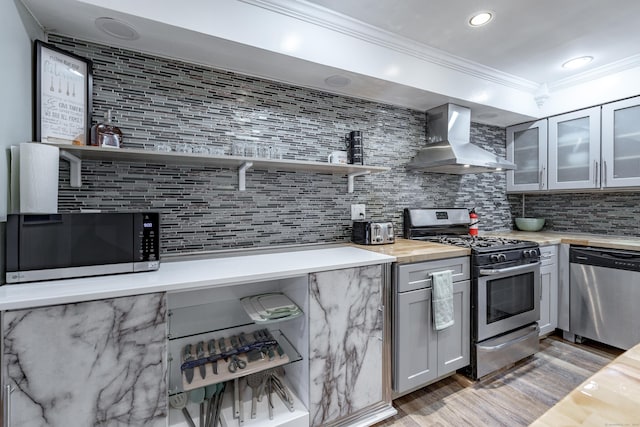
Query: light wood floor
x=512 y=397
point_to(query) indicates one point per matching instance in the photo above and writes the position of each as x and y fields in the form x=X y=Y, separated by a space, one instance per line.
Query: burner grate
x=475 y=242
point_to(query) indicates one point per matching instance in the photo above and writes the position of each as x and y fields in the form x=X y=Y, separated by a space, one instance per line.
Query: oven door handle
x=493 y=272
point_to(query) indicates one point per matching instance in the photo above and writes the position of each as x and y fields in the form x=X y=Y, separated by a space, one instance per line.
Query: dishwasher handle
x=611 y=258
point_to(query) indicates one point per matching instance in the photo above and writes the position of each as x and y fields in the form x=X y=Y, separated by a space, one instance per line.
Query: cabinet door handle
x=6 y=422
x=595 y=173
x=540 y=290
x=604 y=173
x=542 y=177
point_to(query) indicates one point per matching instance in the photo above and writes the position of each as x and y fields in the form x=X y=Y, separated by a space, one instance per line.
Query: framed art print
x=63 y=86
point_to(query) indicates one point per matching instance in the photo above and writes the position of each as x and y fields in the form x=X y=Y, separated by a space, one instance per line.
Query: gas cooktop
x=479 y=243
x=451 y=227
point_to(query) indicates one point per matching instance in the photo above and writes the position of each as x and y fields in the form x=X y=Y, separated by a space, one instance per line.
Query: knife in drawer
x=200 y=355
x=212 y=352
x=186 y=357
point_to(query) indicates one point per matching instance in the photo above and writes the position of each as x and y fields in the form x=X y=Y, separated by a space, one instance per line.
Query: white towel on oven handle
x=442 y=299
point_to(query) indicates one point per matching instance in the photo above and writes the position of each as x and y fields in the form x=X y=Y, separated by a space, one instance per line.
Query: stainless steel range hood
x=449 y=150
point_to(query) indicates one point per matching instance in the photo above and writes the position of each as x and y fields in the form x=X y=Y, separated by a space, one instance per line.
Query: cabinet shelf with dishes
x=74 y=154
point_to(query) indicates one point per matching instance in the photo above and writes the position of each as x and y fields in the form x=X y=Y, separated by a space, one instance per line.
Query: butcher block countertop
x=611 y=397
x=553 y=238
x=407 y=251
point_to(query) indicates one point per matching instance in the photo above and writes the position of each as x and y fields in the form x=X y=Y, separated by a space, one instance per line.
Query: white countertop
x=189 y=275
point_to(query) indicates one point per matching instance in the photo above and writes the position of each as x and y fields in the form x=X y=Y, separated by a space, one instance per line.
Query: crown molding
x=331 y=20
x=596 y=73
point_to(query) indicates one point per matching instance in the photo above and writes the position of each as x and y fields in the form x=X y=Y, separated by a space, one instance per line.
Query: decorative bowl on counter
x=530 y=224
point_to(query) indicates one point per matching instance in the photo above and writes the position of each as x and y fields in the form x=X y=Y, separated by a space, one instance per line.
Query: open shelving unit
x=74 y=154
x=199 y=317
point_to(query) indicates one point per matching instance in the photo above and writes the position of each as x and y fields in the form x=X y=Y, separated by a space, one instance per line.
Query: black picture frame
x=62 y=101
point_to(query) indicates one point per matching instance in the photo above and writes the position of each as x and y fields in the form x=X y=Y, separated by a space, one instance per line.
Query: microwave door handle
x=493 y=272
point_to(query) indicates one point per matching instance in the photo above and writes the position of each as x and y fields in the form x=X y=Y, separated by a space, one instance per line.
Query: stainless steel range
x=505 y=287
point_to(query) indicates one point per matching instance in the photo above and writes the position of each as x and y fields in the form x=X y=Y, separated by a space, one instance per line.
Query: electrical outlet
x=357 y=212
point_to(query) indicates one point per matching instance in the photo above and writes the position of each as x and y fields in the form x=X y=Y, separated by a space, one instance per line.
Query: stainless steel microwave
x=59 y=246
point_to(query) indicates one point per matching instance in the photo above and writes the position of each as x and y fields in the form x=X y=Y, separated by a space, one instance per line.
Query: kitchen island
x=611 y=397
x=108 y=349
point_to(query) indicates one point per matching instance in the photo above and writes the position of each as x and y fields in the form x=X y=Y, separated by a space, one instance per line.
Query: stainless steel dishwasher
x=605 y=295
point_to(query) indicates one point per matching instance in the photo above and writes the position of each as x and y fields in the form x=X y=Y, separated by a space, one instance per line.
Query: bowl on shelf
x=530 y=224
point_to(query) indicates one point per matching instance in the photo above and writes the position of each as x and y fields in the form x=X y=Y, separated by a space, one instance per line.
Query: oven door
x=507 y=298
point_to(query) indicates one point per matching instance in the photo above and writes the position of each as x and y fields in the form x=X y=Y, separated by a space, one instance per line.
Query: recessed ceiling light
x=117 y=29
x=574 y=63
x=480 y=18
x=337 y=81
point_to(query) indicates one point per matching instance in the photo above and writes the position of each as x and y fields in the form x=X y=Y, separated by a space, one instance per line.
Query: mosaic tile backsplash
x=162 y=101
x=614 y=214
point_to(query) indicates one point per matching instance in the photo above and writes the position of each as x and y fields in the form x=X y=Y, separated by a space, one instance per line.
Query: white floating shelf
x=76 y=153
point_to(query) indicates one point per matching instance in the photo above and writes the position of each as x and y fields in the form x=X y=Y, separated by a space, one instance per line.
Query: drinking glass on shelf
x=216 y=151
x=201 y=149
x=250 y=149
x=237 y=149
x=264 y=151
x=162 y=146
x=184 y=148
x=276 y=152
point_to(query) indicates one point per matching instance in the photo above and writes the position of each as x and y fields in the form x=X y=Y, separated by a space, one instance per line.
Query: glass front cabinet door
x=527 y=148
x=621 y=143
x=574 y=150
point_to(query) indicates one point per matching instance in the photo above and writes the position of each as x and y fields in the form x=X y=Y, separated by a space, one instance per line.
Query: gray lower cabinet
x=346 y=356
x=85 y=364
x=454 y=342
x=423 y=353
x=416 y=341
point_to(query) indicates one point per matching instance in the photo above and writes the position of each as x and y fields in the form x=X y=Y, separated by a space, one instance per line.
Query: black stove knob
x=531 y=253
x=494 y=258
x=502 y=257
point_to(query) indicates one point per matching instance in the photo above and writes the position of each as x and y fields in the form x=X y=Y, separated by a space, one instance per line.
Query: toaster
x=372 y=233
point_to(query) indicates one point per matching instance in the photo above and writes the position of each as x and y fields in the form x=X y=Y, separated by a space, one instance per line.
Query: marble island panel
x=93 y=363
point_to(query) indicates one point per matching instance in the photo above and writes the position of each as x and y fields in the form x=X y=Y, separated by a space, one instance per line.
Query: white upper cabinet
x=569 y=151
x=527 y=148
x=621 y=143
x=574 y=150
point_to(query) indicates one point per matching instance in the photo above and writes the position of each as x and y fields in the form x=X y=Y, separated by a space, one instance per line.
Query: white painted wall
x=17 y=29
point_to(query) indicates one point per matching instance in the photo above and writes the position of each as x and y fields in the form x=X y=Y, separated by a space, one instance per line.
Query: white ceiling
x=414 y=53
x=529 y=39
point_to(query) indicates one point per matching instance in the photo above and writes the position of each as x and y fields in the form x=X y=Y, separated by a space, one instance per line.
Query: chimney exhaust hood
x=449 y=150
